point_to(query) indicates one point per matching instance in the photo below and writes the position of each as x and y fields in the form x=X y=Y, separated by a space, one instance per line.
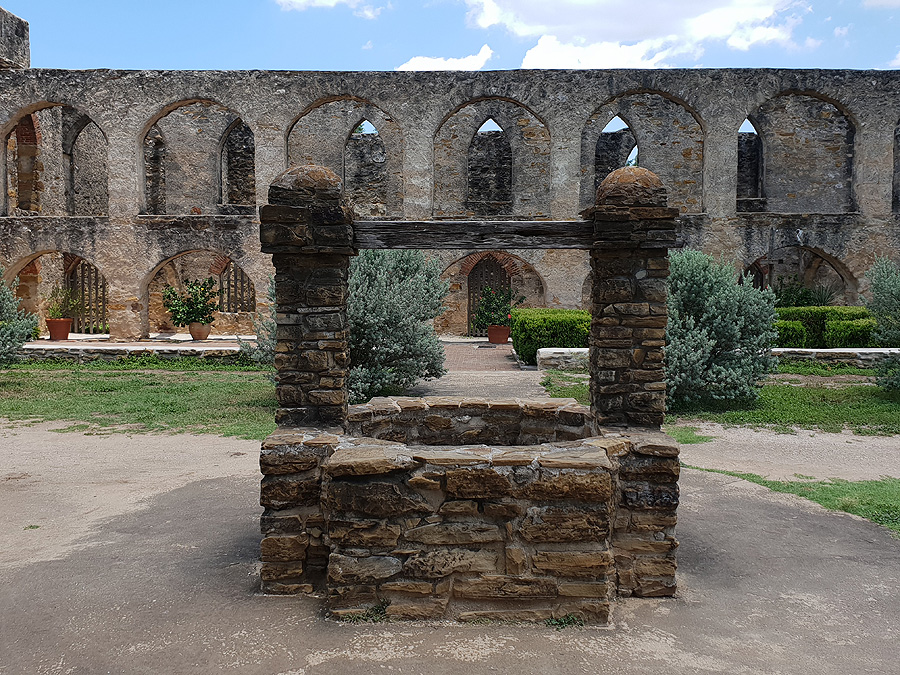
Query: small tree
x=196 y=303
x=495 y=307
x=720 y=332
x=16 y=325
x=885 y=307
x=394 y=298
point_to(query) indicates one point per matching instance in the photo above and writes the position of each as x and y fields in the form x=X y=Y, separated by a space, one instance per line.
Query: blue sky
x=461 y=34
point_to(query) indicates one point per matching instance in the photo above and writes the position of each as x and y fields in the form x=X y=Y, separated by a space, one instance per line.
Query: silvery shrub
x=16 y=325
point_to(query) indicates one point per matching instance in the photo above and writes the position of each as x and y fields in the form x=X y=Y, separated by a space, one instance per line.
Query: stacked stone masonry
x=470 y=531
x=98 y=164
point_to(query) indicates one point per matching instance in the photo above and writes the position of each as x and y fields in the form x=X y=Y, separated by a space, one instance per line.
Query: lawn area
x=875 y=500
x=864 y=409
x=233 y=401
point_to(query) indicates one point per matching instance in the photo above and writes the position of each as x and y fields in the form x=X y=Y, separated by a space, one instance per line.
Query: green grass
x=864 y=409
x=686 y=435
x=567 y=621
x=820 y=369
x=875 y=500
x=240 y=404
x=239 y=363
x=563 y=384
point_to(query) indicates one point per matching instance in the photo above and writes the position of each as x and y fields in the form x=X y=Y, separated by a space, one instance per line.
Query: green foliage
x=853 y=333
x=686 y=435
x=16 y=326
x=791 y=293
x=567 y=621
x=888 y=373
x=63 y=303
x=885 y=303
x=815 y=318
x=149 y=361
x=495 y=307
x=720 y=332
x=534 y=329
x=394 y=298
x=790 y=334
x=812 y=367
x=560 y=384
x=196 y=303
x=265 y=326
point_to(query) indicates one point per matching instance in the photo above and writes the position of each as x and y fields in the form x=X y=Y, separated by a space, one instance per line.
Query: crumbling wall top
x=15 y=52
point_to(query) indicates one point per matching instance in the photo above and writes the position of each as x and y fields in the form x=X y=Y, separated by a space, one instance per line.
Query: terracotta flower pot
x=498 y=335
x=199 y=331
x=59 y=328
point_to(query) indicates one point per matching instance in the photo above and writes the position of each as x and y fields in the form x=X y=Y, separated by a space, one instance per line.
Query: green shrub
x=16 y=326
x=854 y=333
x=815 y=318
x=195 y=304
x=887 y=373
x=720 y=332
x=495 y=308
x=394 y=298
x=885 y=302
x=534 y=329
x=791 y=334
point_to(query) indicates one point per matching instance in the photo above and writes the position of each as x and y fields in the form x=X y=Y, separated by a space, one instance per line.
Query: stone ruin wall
x=131 y=169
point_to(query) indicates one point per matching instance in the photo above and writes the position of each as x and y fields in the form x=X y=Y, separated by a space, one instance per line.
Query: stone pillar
x=633 y=231
x=307 y=228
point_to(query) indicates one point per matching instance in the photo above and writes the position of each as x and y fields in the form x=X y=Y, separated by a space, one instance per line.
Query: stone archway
x=805 y=267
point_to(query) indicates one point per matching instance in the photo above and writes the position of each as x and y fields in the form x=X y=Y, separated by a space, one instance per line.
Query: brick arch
x=524 y=277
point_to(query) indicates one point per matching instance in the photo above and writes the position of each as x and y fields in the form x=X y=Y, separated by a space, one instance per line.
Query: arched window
x=616 y=147
x=155 y=171
x=365 y=171
x=750 y=197
x=238 y=166
x=489 y=171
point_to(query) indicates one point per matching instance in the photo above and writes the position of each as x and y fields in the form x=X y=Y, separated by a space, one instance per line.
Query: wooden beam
x=472 y=234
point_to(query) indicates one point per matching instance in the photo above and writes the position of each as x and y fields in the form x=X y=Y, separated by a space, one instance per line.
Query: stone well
x=467 y=508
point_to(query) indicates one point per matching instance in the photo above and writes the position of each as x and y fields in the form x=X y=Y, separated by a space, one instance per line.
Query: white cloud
x=607 y=33
x=841 y=31
x=473 y=62
x=359 y=8
x=368 y=45
x=896 y=62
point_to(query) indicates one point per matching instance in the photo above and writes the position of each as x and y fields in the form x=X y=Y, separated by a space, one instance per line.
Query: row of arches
x=491 y=157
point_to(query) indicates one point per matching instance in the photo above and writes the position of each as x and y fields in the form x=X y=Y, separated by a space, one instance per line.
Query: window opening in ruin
x=236 y=290
x=896 y=199
x=238 y=166
x=86 y=164
x=23 y=167
x=154 y=172
x=750 y=197
x=800 y=267
x=487 y=272
x=365 y=171
x=489 y=171
x=616 y=148
x=89 y=286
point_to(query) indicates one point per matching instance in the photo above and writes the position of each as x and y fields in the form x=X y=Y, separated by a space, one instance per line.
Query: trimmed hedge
x=856 y=333
x=790 y=334
x=815 y=318
x=539 y=328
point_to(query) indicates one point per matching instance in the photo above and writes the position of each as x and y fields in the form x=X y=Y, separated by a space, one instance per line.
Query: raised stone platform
x=470 y=530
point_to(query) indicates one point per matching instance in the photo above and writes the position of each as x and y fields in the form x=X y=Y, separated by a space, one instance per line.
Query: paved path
x=162 y=578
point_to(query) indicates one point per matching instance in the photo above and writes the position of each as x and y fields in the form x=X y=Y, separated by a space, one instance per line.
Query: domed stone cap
x=300 y=185
x=632 y=186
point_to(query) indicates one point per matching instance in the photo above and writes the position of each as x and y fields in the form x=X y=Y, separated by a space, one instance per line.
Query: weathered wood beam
x=472 y=234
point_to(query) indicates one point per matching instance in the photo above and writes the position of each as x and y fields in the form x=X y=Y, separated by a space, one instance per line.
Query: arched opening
x=488 y=272
x=237 y=295
x=616 y=147
x=358 y=141
x=238 y=166
x=56 y=164
x=489 y=175
x=809 y=147
x=896 y=200
x=199 y=158
x=750 y=196
x=365 y=171
x=47 y=272
x=804 y=275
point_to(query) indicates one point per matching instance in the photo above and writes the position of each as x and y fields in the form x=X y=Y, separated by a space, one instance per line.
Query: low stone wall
x=573 y=358
x=859 y=358
x=79 y=353
x=469 y=531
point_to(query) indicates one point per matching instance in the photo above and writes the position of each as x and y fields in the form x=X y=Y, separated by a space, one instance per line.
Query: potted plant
x=194 y=306
x=62 y=306
x=494 y=312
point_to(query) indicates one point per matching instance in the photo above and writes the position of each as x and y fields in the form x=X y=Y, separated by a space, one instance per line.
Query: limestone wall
x=159 y=143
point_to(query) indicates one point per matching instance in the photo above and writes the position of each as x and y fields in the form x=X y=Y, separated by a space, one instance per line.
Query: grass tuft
x=567 y=621
x=374 y=614
x=686 y=435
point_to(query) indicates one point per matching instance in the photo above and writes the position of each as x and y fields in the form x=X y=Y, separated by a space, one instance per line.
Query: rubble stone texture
x=129 y=170
x=469 y=508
